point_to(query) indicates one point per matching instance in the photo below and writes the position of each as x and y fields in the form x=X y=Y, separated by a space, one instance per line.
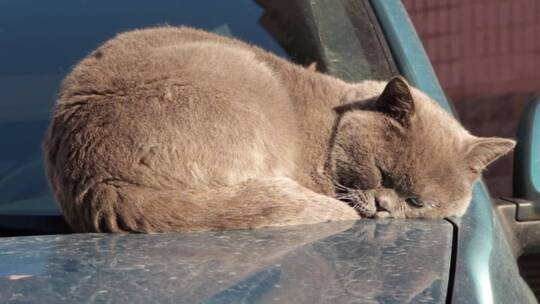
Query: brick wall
x=487 y=56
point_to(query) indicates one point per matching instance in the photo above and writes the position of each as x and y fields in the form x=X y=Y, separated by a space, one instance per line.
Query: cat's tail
x=116 y=206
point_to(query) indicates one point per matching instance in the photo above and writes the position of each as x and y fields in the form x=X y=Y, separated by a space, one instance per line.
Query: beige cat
x=176 y=129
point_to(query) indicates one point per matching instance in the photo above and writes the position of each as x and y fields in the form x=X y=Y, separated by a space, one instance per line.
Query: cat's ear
x=396 y=101
x=482 y=151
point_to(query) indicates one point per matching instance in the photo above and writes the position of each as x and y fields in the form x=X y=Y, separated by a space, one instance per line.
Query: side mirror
x=520 y=215
x=526 y=178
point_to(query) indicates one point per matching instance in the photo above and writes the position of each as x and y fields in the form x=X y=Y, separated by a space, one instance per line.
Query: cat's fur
x=177 y=129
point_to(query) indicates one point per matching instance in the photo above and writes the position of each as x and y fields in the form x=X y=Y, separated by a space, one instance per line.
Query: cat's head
x=402 y=155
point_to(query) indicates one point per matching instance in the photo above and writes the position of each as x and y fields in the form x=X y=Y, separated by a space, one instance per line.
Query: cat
x=178 y=129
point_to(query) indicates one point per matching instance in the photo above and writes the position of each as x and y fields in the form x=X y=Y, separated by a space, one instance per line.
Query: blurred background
x=486 y=54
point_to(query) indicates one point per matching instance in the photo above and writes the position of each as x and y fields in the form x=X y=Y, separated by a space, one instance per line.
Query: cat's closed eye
x=386 y=180
x=415 y=201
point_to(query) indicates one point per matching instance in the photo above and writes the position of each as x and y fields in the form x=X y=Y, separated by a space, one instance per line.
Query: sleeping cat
x=177 y=129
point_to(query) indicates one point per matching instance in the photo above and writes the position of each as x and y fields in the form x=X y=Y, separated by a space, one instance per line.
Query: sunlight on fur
x=178 y=129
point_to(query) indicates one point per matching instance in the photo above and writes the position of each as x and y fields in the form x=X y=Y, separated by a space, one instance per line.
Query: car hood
x=366 y=261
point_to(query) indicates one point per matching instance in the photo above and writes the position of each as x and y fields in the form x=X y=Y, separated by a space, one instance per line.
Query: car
x=470 y=259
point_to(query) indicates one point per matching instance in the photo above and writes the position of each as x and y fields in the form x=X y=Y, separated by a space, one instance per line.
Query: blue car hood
x=390 y=261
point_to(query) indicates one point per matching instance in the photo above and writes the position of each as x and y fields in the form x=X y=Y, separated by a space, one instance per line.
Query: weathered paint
x=385 y=261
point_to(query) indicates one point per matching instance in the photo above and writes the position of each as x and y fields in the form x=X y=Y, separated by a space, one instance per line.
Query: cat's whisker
x=342 y=188
x=337 y=184
x=344 y=196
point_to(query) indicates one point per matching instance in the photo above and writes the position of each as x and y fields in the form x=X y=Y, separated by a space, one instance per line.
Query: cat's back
x=180 y=102
x=138 y=59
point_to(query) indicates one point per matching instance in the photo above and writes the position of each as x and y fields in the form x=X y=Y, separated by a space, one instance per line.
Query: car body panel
x=390 y=261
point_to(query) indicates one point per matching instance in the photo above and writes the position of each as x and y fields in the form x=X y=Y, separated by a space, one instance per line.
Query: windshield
x=42 y=40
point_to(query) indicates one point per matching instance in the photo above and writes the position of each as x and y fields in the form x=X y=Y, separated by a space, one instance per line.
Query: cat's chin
x=382 y=214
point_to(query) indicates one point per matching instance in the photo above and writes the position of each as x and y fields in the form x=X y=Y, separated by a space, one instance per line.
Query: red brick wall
x=487 y=56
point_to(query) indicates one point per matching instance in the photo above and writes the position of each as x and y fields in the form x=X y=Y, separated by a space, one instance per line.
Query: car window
x=42 y=40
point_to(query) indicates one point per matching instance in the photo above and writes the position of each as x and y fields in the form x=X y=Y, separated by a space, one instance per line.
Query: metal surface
x=392 y=261
x=485 y=269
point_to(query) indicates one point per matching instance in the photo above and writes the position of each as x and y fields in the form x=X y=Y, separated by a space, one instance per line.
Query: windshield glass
x=42 y=40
